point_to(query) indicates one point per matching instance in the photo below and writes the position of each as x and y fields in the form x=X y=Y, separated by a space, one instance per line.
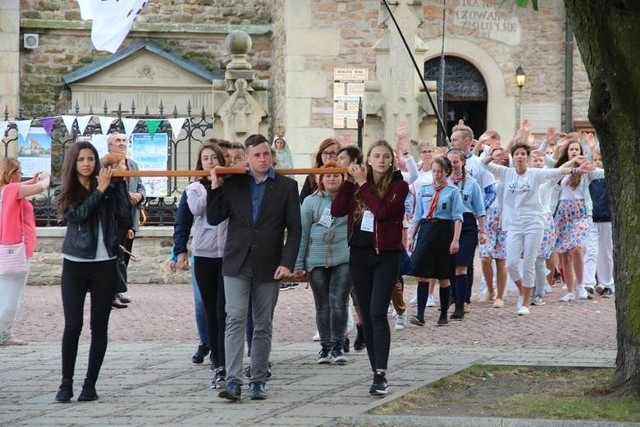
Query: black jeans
x=208 y=272
x=374 y=277
x=78 y=278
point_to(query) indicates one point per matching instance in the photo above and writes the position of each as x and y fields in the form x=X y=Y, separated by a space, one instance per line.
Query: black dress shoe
x=117 y=304
x=65 y=392
x=123 y=299
x=88 y=392
x=200 y=354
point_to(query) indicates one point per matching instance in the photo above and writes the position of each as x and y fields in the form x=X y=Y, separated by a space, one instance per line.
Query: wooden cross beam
x=227 y=171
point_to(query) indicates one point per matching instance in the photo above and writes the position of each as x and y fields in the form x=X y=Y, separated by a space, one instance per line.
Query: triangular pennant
x=105 y=124
x=83 y=121
x=23 y=128
x=129 y=125
x=176 y=126
x=68 y=122
x=47 y=123
x=152 y=126
x=3 y=129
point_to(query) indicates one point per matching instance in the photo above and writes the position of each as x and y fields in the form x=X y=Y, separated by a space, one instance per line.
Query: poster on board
x=34 y=152
x=151 y=153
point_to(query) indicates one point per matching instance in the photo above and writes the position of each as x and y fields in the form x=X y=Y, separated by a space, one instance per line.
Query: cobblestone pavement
x=148 y=378
x=165 y=313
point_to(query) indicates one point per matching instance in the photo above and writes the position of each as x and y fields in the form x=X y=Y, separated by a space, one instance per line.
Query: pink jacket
x=9 y=223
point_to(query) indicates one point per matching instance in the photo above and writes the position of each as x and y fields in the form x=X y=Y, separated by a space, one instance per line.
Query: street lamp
x=521 y=77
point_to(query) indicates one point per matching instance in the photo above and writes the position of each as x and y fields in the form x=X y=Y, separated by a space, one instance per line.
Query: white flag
x=176 y=126
x=83 y=121
x=105 y=123
x=112 y=20
x=23 y=128
x=129 y=125
x=68 y=122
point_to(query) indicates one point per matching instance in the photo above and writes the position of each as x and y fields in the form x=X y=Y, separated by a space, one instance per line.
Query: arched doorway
x=465 y=92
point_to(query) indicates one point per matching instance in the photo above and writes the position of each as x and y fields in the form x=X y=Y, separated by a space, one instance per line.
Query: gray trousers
x=238 y=289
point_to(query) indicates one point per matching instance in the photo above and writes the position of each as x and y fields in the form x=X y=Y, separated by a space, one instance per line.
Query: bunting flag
x=68 y=122
x=152 y=126
x=3 y=129
x=112 y=20
x=176 y=126
x=47 y=123
x=105 y=124
x=83 y=121
x=129 y=125
x=23 y=128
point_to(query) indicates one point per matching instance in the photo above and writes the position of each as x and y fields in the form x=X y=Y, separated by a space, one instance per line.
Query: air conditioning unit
x=30 y=41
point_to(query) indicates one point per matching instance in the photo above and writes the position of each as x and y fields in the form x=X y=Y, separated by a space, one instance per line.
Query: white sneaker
x=582 y=293
x=538 y=301
x=401 y=321
x=431 y=302
x=498 y=303
x=523 y=311
x=316 y=337
x=548 y=289
x=568 y=297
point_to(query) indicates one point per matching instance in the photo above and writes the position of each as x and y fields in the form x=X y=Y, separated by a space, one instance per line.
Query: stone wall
x=152 y=245
x=195 y=29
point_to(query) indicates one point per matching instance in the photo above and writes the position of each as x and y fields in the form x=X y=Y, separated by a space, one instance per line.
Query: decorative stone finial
x=238 y=43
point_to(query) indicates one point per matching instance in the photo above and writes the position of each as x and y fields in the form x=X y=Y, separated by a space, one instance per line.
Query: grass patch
x=520 y=392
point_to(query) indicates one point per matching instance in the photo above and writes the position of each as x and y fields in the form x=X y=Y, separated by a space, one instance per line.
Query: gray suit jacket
x=263 y=240
x=136 y=186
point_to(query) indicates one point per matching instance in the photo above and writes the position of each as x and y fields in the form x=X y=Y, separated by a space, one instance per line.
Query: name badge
x=326 y=219
x=367 y=221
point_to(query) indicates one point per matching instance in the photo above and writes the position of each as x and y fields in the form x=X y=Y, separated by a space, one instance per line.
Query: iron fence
x=159 y=210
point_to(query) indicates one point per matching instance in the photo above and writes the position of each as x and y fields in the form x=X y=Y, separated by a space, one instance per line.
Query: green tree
x=607 y=33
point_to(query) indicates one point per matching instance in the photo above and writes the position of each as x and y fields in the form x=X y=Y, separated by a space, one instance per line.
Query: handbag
x=13 y=258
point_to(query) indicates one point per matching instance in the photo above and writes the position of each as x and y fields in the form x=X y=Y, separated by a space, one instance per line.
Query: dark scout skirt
x=468 y=241
x=431 y=258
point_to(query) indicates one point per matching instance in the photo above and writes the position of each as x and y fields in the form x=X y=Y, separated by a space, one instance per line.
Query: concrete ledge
x=426 y=421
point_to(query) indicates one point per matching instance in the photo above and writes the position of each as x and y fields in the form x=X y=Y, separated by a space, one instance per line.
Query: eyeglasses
x=329 y=154
x=426 y=152
x=19 y=172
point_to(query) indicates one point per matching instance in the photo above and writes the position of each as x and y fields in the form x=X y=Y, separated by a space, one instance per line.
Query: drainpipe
x=568 y=77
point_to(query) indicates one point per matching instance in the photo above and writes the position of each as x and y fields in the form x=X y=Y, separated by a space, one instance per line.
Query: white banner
x=68 y=122
x=112 y=20
x=83 y=121
x=23 y=128
x=105 y=124
x=129 y=125
x=176 y=126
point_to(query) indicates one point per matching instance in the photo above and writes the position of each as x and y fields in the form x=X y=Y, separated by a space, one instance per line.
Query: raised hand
x=104 y=178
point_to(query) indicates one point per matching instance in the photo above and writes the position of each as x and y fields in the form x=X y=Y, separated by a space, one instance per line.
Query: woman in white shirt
x=523 y=213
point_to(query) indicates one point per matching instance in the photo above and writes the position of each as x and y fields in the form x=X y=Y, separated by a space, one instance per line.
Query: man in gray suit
x=260 y=206
x=119 y=143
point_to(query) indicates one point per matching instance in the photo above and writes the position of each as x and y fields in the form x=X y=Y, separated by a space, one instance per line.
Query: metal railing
x=159 y=210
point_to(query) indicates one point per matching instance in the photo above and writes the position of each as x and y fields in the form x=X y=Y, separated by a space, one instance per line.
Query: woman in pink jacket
x=17 y=224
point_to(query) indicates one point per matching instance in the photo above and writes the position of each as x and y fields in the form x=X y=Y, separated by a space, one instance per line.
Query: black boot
x=444 y=306
x=346 y=345
x=65 y=392
x=359 y=343
x=200 y=354
x=458 y=313
x=88 y=392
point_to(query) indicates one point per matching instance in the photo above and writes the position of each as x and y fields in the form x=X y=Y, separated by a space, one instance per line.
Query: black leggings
x=208 y=272
x=374 y=277
x=78 y=278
